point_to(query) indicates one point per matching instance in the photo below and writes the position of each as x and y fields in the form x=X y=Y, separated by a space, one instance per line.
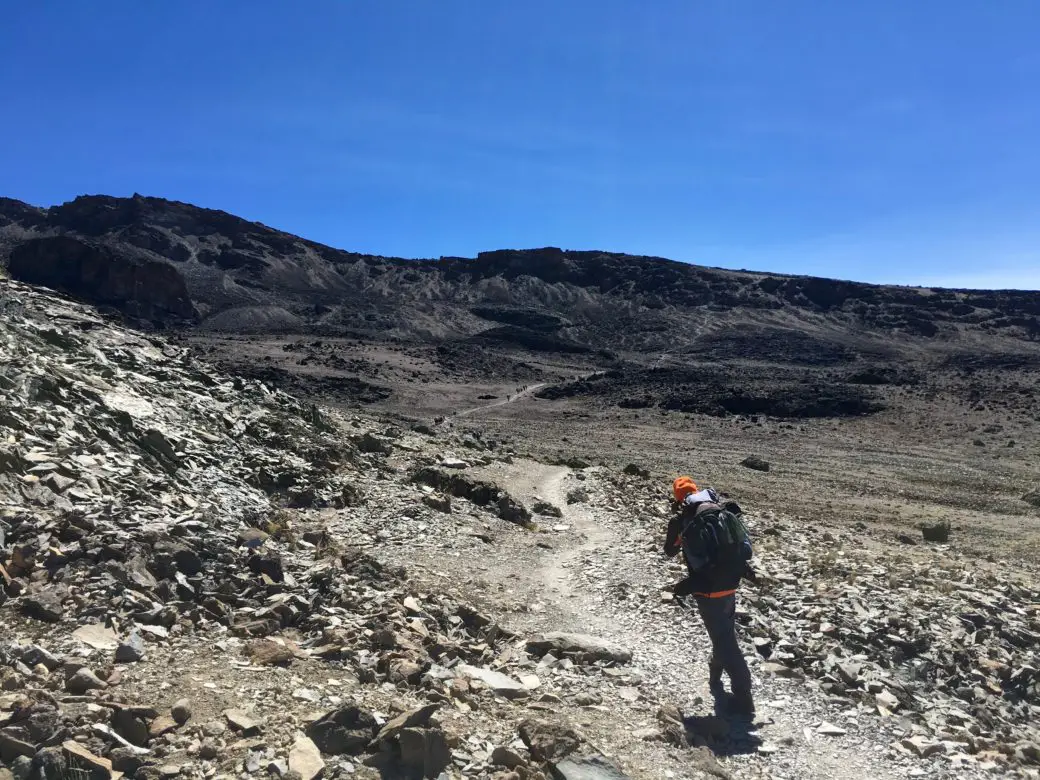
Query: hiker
x=717 y=550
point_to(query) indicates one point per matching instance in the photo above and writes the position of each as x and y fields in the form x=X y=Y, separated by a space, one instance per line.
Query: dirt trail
x=598 y=579
x=509 y=399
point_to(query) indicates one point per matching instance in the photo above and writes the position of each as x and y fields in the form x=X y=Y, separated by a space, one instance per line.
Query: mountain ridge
x=243 y=276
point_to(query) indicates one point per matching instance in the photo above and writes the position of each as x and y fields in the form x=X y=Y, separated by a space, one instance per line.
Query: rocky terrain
x=207 y=577
x=268 y=509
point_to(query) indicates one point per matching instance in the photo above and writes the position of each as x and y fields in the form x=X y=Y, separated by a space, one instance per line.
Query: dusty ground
x=595 y=569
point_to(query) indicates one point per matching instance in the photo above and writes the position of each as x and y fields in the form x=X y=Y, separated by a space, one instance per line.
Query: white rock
x=97 y=636
x=305 y=758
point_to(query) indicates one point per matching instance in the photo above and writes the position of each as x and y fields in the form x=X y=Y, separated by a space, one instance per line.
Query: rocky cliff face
x=140 y=288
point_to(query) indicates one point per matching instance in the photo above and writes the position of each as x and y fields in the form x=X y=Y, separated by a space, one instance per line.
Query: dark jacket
x=707 y=578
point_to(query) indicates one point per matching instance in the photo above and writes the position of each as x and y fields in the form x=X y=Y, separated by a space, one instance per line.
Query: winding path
x=599 y=576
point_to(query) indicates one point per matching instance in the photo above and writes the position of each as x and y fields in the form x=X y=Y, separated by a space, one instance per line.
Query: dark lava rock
x=512 y=510
x=755 y=463
x=347 y=730
x=45 y=604
x=725 y=392
x=269 y=564
x=422 y=753
x=478 y=491
x=547 y=509
x=131 y=728
x=940 y=532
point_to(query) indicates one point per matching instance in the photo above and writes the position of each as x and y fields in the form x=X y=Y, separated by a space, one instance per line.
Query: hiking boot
x=741 y=705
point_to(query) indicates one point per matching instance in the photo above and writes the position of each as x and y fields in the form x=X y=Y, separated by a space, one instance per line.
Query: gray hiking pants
x=719 y=616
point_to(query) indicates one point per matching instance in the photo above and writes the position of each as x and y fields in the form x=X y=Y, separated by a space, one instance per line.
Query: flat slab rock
x=592 y=768
x=96 y=635
x=583 y=645
x=496 y=681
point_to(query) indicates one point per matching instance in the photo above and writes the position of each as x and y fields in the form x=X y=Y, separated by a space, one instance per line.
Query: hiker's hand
x=750 y=574
x=682 y=588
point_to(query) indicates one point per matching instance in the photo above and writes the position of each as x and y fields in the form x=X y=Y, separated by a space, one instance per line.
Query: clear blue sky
x=886 y=140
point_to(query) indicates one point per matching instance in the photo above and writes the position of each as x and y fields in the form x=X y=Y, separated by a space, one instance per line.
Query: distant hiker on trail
x=717 y=550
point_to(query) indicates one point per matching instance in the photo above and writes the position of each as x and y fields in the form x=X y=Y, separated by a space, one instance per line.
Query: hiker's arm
x=750 y=574
x=672 y=540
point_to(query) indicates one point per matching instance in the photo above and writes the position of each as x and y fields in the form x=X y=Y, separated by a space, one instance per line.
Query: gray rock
x=849 y=672
x=887 y=700
x=548 y=741
x=83 y=680
x=830 y=730
x=31 y=655
x=125 y=760
x=49 y=763
x=243 y=722
x=253 y=760
x=96 y=635
x=438 y=501
x=582 y=646
x=131 y=649
x=411 y=719
x=922 y=746
x=374 y=444
x=131 y=727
